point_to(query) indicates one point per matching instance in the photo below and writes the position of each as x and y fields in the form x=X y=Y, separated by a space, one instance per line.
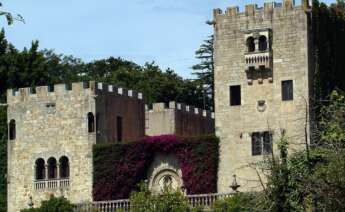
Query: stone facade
x=250 y=79
x=53 y=122
x=178 y=119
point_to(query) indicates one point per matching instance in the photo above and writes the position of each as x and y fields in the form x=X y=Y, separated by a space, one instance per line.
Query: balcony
x=51 y=184
x=261 y=60
x=205 y=200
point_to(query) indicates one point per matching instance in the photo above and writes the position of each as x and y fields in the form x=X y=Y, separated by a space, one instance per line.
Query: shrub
x=54 y=204
x=169 y=201
x=240 y=202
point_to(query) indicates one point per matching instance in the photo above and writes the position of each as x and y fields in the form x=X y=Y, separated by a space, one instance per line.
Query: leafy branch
x=10 y=17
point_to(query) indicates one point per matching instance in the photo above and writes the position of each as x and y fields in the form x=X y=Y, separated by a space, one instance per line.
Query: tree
x=9 y=17
x=205 y=70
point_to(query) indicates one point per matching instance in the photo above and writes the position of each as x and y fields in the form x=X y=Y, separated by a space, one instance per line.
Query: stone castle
x=263 y=71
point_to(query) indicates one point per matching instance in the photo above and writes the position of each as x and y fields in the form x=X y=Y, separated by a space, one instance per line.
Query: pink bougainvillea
x=118 y=168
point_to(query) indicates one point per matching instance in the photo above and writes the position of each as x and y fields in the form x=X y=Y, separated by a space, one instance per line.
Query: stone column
x=58 y=170
x=46 y=172
x=256 y=41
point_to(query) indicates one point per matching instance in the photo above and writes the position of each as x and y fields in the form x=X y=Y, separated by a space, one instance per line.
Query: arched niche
x=164 y=171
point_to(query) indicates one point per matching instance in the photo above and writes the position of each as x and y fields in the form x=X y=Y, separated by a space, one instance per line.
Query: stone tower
x=51 y=133
x=263 y=75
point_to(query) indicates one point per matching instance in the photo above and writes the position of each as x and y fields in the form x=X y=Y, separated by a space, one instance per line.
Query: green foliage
x=205 y=71
x=239 y=202
x=168 y=201
x=332 y=120
x=9 y=17
x=54 y=204
x=329 y=47
x=328 y=182
x=312 y=179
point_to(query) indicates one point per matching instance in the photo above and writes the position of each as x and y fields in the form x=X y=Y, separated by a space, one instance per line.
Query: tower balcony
x=258 y=60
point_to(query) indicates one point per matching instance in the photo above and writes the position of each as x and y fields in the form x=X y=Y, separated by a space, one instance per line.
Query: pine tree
x=205 y=71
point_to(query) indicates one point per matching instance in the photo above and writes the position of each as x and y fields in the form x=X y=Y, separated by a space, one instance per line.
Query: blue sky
x=165 y=31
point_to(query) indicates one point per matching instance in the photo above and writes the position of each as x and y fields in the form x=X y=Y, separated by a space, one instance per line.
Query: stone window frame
x=256 y=34
x=57 y=170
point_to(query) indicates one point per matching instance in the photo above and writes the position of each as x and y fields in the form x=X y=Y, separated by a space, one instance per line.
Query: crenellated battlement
x=76 y=89
x=161 y=107
x=103 y=88
x=269 y=9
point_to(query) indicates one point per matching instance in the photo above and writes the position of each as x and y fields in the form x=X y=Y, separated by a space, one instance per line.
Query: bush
x=240 y=202
x=54 y=204
x=169 y=201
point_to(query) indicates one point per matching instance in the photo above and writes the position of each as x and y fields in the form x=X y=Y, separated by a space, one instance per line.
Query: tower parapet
x=269 y=9
x=161 y=107
x=78 y=88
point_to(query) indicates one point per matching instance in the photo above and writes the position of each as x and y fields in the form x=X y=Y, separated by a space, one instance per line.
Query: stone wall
x=44 y=131
x=54 y=123
x=262 y=108
x=178 y=119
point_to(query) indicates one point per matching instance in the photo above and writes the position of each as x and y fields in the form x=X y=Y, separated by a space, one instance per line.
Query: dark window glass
x=256 y=144
x=267 y=143
x=262 y=43
x=91 y=122
x=40 y=169
x=64 y=167
x=261 y=143
x=235 y=95
x=250 y=44
x=52 y=168
x=12 y=129
x=119 y=128
x=287 y=90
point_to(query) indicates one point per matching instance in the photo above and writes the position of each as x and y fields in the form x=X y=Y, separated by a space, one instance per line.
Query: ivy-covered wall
x=119 y=167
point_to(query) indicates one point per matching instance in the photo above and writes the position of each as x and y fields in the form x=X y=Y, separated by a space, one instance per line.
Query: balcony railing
x=204 y=200
x=256 y=60
x=51 y=184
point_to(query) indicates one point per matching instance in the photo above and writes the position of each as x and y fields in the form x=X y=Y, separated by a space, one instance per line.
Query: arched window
x=64 y=167
x=12 y=129
x=250 y=44
x=40 y=169
x=91 y=122
x=262 y=43
x=52 y=168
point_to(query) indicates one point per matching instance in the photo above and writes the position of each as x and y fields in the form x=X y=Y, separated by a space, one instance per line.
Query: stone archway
x=164 y=171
